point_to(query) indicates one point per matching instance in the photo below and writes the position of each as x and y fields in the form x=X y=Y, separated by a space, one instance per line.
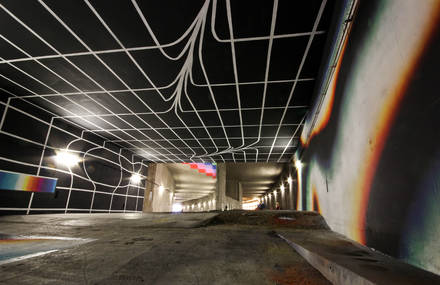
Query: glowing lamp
x=67 y=158
x=298 y=164
x=135 y=178
x=289 y=180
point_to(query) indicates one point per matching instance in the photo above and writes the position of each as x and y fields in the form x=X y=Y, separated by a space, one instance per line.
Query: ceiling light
x=289 y=180
x=135 y=178
x=67 y=158
x=161 y=188
x=282 y=187
x=298 y=164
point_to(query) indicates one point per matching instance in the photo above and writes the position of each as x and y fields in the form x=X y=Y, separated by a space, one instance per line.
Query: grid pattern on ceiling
x=172 y=81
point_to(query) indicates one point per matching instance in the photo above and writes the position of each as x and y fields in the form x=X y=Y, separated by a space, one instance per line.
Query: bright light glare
x=289 y=180
x=135 y=178
x=250 y=205
x=161 y=189
x=282 y=188
x=177 y=208
x=298 y=164
x=67 y=158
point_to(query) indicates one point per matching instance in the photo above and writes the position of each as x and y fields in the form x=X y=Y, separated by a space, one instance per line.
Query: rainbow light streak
x=23 y=182
x=315 y=201
x=327 y=107
x=210 y=169
x=299 y=196
x=384 y=124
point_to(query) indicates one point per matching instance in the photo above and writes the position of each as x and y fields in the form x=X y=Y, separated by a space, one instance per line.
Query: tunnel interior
x=186 y=134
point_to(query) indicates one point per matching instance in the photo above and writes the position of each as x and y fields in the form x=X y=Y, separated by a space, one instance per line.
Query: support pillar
x=283 y=197
x=240 y=193
x=220 y=190
x=291 y=207
x=149 y=188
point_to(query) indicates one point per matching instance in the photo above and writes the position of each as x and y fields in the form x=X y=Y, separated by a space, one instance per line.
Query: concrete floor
x=153 y=249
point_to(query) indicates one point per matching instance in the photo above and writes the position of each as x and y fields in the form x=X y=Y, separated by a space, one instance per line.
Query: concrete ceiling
x=189 y=183
x=255 y=178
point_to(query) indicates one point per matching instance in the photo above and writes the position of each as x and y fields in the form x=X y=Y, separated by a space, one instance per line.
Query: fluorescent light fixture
x=135 y=178
x=67 y=158
x=289 y=180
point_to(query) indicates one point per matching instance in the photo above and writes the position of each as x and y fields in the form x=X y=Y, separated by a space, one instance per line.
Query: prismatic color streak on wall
x=210 y=169
x=299 y=190
x=327 y=105
x=315 y=200
x=23 y=182
x=384 y=123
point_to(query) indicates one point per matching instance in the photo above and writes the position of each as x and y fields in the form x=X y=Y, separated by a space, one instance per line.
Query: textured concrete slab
x=156 y=249
x=272 y=218
x=344 y=261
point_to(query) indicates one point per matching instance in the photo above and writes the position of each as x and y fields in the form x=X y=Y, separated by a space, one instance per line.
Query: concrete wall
x=204 y=204
x=371 y=156
x=288 y=197
x=232 y=203
x=232 y=189
x=159 y=189
x=208 y=203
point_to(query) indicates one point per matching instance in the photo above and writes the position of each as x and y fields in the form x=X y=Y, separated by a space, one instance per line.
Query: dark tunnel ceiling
x=171 y=80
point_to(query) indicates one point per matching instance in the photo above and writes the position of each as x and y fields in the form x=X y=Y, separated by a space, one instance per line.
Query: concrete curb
x=332 y=271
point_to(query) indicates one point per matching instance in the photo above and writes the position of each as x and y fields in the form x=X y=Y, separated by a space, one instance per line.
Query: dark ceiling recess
x=173 y=81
